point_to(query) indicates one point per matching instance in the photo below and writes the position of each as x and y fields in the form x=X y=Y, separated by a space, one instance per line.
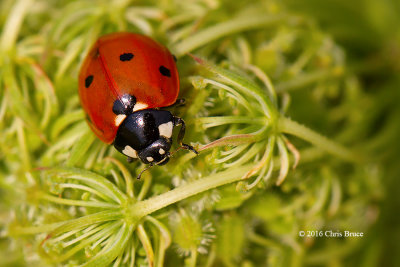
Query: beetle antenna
x=145 y=169
x=176 y=150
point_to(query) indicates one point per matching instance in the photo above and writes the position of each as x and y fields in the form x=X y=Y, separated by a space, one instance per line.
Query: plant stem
x=232 y=26
x=286 y=125
x=233 y=140
x=153 y=204
x=193 y=257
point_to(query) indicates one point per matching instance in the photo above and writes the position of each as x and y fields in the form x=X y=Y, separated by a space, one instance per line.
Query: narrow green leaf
x=91 y=179
x=102 y=216
x=112 y=249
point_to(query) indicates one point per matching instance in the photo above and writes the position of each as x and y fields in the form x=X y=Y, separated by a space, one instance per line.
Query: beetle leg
x=178 y=103
x=181 y=134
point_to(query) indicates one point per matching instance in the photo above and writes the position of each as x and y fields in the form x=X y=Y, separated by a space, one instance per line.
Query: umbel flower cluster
x=260 y=177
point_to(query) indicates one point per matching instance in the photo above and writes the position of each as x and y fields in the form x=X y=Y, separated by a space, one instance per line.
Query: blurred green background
x=335 y=65
x=370 y=33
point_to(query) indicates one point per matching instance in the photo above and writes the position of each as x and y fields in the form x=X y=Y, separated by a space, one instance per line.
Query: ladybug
x=124 y=81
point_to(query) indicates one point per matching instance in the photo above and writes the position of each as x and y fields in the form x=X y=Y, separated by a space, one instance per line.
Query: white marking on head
x=149 y=159
x=130 y=152
x=139 y=106
x=165 y=129
x=119 y=119
x=161 y=151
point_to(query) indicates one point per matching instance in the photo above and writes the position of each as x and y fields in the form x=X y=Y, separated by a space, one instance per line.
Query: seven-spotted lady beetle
x=123 y=81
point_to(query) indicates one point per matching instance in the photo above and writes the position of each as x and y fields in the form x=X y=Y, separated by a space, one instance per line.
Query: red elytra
x=125 y=63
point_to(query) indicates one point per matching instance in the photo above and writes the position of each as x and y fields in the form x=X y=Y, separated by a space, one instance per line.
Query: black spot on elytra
x=165 y=71
x=88 y=81
x=126 y=56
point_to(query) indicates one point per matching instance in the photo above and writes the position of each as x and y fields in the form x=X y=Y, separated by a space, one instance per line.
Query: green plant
x=245 y=70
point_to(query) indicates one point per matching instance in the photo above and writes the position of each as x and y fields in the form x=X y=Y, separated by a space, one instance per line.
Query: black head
x=156 y=153
x=146 y=134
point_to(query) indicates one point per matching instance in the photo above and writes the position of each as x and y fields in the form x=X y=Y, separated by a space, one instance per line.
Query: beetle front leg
x=178 y=103
x=178 y=121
